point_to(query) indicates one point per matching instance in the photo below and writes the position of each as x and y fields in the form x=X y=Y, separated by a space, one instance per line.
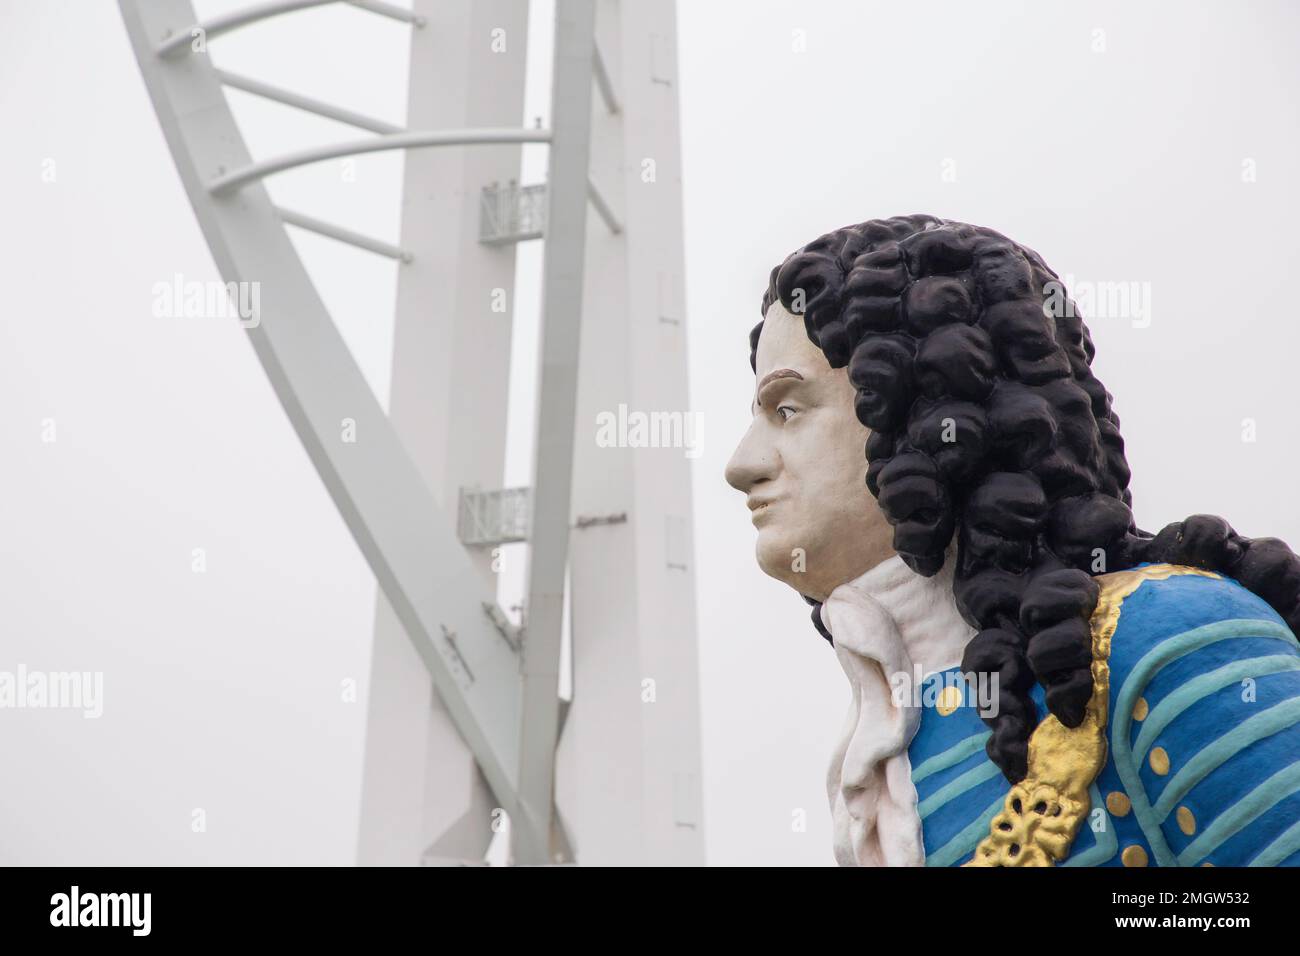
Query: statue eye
x=784 y=412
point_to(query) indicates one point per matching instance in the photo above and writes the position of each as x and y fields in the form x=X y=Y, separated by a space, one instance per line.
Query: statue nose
x=751 y=463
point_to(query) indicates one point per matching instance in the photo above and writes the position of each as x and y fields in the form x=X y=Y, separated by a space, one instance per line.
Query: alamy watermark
x=128 y=910
x=625 y=429
x=53 y=690
x=1098 y=300
x=193 y=299
x=972 y=688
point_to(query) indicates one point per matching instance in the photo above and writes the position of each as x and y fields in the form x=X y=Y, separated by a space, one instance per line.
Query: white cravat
x=885 y=623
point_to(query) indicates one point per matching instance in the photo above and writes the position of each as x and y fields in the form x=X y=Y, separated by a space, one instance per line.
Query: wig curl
x=987 y=424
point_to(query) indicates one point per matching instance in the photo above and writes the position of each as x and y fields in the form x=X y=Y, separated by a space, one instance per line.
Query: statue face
x=803 y=465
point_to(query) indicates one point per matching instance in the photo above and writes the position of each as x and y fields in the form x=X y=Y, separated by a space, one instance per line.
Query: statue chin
x=788 y=563
x=775 y=560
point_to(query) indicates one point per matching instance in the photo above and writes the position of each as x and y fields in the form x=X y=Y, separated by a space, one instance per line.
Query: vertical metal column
x=629 y=782
x=422 y=790
x=562 y=292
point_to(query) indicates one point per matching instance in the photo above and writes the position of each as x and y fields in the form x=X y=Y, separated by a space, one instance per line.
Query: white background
x=1116 y=155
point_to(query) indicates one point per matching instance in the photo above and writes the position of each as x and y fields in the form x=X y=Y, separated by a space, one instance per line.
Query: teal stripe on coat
x=965 y=842
x=1168 y=710
x=1162 y=654
x=1241 y=814
x=950 y=757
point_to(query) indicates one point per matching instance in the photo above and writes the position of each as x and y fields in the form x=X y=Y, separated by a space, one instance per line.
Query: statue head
x=921 y=383
x=802 y=468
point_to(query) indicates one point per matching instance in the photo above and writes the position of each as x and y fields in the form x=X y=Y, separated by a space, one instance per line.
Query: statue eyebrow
x=774 y=376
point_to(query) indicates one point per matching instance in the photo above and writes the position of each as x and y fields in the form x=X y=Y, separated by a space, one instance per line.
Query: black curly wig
x=987 y=422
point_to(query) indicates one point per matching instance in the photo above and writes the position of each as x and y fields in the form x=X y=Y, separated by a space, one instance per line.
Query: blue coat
x=1203 y=738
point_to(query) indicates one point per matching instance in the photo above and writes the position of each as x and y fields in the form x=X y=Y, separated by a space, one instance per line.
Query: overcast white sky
x=1110 y=137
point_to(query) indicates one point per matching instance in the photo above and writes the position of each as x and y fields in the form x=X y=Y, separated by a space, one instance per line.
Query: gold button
x=1134 y=856
x=1140 y=709
x=1207 y=863
x=1159 y=760
x=949 y=700
x=1118 y=804
x=1186 y=822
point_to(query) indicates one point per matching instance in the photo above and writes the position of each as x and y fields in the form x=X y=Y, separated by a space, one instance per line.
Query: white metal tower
x=420 y=488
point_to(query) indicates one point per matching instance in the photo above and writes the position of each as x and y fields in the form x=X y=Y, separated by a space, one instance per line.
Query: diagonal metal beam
x=602 y=208
x=390 y=10
x=604 y=84
x=408 y=542
x=342 y=234
x=306 y=103
x=180 y=39
x=562 y=291
x=250 y=172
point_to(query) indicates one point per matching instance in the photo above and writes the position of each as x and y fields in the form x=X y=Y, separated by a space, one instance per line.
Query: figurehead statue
x=1036 y=681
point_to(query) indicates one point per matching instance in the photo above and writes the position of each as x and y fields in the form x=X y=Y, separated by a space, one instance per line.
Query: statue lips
x=761 y=508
